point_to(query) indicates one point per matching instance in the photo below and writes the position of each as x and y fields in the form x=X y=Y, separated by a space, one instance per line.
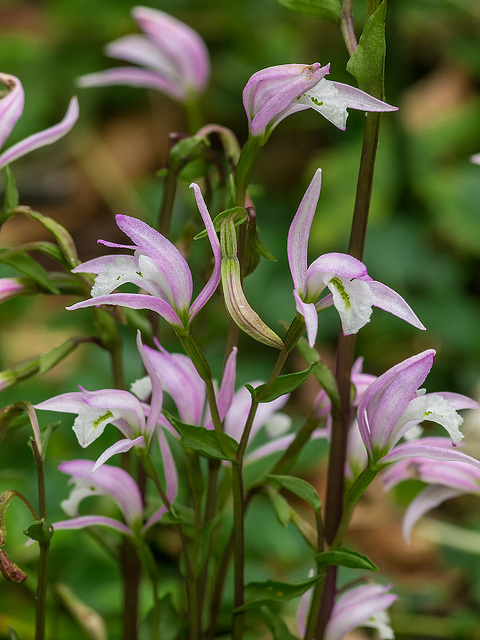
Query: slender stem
x=347 y=27
x=245 y=167
x=41 y=593
x=166 y=210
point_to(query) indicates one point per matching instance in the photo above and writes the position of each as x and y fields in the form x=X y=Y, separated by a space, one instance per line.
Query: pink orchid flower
x=274 y=93
x=353 y=292
x=172 y=57
x=157 y=267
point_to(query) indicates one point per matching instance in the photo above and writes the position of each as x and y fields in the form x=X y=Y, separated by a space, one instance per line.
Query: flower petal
x=271 y=94
x=93 y=521
x=133 y=301
x=112 y=481
x=121 y=446
x=209 y=289
x=426 y=500
x=385 y=400
x=180 y=44
x=133 y=77
x=43 y=138
x=299 y=232
x=389 y=300
x=11 y=105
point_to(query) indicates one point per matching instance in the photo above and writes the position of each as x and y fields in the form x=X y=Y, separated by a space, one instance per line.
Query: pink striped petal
x=43 y=138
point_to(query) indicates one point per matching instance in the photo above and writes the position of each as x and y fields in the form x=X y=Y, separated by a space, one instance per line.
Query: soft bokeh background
x=424 y=241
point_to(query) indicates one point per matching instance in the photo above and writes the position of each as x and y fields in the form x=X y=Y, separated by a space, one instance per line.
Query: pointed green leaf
x=273 y=591
x=203 y=441
x=345 y=558
x=239 y=215
x=282 y=385
x=25 y=264
x=281 y=507
x=50 y=359
x=299 y=487
x=367 y=61
x=277 y=625
x=330 y=10
x=68 y=250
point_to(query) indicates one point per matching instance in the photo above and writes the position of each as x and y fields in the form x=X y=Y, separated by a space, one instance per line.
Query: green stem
x=41 y=593
x=166 y=210
x=245 y=167
x=347 y=27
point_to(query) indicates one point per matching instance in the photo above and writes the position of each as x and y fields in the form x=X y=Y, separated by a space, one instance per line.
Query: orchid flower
x=172 y=57
x=179 y=378
x=353 y=292
x=96 y=409
x=475 y=158
x=11 y=108
x=445 y=480
x=362 y=606
x=274 y=93
x=393 y=405
x=158 y=267
x=107 y=480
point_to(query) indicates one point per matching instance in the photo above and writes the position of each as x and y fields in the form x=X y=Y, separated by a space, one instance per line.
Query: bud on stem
x=237 y=305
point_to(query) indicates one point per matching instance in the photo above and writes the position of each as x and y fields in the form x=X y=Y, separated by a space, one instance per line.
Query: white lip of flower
x=117 y=272
x=90 y=423
x=142 y=388
x=353 y=301
x=82 y=489
x=327 y=100
x=434 y=408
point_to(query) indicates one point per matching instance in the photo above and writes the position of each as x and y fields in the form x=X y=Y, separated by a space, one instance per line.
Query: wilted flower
x=11 y=108
x=174 y=57
x=157 y=267
x=353 y=292
x=274 y=93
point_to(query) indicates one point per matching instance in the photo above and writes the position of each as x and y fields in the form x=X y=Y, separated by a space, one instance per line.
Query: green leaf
x=322 y=373
x=12 y=634
x=25 y=264
x=273 y=591
x=367 y=62
x=68 y=250
x=50 y=359
x=10 y=200
x=299 y=487
x=277 y=625
x=282 y=508
x=345 y=558
x=238 y=214
x=203 y=441
x=330 y=10
x=282 y=385
x=40 y=531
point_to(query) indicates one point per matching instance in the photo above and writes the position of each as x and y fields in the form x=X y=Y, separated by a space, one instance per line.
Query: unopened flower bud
x=237 y=305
